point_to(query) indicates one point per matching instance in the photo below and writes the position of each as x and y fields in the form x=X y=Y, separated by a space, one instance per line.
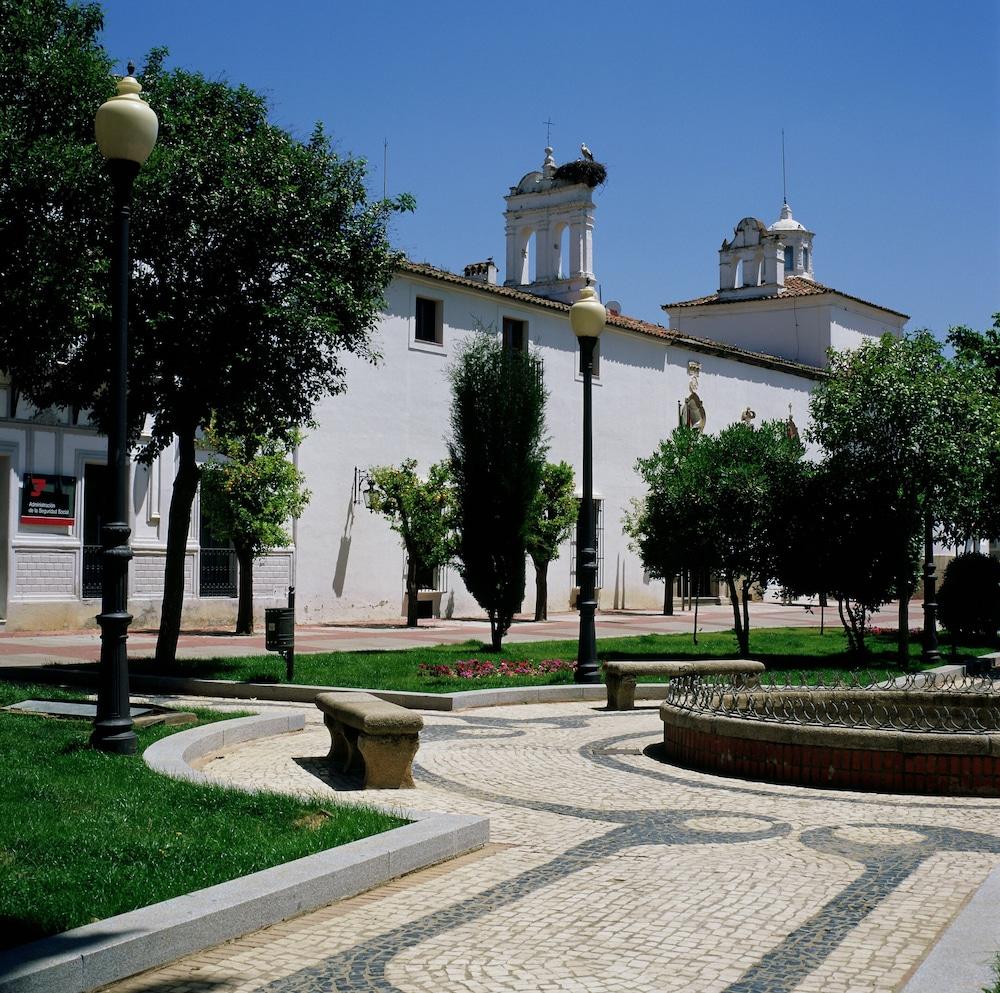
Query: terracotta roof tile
x=795 y=286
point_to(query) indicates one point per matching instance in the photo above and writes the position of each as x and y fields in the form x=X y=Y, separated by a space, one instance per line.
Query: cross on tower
x=548 y=131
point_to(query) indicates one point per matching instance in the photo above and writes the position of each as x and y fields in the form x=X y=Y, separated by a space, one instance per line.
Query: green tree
x=421 y=513
x=979 y=352
x=668 y=527
x=748 y=476
x=552 y=518
x=259 y=261
x=838 y=543
x=249 y=493
x=912 y=425
x=54 y=198
x=497 y=452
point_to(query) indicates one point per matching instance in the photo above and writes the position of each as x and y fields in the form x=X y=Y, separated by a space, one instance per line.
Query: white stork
x=587 y=153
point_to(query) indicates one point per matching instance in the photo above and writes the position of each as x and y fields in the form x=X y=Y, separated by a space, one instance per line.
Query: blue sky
x=891 y=112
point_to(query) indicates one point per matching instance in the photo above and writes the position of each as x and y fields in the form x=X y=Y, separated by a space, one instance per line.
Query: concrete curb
x=961 y=960
x=296 y=693
x=113 y=949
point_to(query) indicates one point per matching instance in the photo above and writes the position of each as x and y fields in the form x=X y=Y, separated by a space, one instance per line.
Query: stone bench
x=372 y=737
x=620 y=676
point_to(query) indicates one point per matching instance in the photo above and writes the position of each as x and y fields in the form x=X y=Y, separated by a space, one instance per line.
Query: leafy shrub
x=482 y=668
x=969 y=598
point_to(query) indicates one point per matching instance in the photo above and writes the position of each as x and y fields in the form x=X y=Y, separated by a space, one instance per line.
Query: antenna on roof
x=784 y=184
x=385 y=165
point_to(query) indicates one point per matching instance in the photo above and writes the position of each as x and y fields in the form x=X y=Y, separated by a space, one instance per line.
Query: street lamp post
x=587 y=317
x=125 y=127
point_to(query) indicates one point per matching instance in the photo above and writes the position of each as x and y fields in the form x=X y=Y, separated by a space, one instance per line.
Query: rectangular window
x=217 y=567
x=805 y=259
x=597 y=360
x=515 y=335
x=427 y=321
x=95 y=493
x=789 y=258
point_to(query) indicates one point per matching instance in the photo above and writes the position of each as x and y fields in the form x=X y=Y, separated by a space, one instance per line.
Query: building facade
x=753 y=349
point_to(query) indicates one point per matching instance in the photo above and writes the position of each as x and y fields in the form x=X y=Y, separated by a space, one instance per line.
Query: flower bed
x=483 y=668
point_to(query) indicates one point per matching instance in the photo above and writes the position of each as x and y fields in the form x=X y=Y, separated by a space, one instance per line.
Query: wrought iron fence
x=928 y=702
x=93 y=571
x=217 y=572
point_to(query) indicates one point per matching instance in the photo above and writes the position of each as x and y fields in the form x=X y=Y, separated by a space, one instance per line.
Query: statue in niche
x=790 y=427
x=691 y=413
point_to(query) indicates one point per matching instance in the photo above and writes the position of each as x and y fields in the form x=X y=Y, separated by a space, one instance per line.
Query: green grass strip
x=778 y=648
x=86 y=835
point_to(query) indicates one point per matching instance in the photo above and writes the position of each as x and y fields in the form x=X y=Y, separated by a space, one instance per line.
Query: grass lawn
x=777 y=648
x=85 y=835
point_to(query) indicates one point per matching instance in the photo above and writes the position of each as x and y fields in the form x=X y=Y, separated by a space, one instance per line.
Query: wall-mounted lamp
x=362 y=488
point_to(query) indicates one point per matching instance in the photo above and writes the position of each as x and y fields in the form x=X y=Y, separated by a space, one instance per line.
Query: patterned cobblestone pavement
x=611 y=871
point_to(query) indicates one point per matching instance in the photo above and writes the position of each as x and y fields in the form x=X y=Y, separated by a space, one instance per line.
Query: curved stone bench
x=373 y=737
x=620 y=676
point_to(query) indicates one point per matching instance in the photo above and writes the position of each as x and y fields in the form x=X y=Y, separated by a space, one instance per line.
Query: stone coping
x=962 y=957
x=106 y=951
x=872 y=739
x=297 y=693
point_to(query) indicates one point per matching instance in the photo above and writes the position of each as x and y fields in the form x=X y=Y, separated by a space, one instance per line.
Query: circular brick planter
x=960 y=759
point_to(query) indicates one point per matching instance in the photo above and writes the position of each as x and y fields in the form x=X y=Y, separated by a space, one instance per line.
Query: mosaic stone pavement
x=611 y=871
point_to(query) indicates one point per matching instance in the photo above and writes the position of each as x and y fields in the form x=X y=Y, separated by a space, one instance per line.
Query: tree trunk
x=694 y=585
x=904 y=613
x=745 y=640
x=541 y=591
x=244 y=614
x=178 y=526
x=734 y=599
x=668 y=596
x=412 y=591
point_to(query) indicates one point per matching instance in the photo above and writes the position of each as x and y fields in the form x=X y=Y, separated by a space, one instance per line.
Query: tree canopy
x=497 y=452
x=550 y=522
x=916 y=426
x=250 y=491
x=421 y=512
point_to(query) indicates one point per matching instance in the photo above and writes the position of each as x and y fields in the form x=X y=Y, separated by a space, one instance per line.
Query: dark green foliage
x=841 y=539
x=918 y=432
x=969 y=598
x=582 y=171
x=720 y=503
x=54 y=198
x=85 y=835
x=497 y=453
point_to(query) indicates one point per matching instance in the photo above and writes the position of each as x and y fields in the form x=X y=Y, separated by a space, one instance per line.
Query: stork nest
x=582 y=171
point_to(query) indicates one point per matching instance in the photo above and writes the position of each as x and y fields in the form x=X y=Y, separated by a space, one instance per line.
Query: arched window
x=805 y=259
x=789 y=258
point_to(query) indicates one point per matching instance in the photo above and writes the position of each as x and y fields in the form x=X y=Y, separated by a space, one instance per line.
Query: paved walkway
x=27 y=648
x=611 y=871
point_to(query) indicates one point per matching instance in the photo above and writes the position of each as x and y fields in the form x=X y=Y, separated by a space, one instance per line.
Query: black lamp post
x=587 y=317
x=929 y=653
x=125 y=127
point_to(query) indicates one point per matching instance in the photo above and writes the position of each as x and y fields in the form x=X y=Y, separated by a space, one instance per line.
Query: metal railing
x=920 y=702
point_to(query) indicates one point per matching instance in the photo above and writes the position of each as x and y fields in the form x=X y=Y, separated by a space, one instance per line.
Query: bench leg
x=388 y=760
x=621 y=691
x=343 y=752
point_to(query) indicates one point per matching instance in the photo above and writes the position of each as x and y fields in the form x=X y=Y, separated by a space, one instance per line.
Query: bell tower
x=540 y=209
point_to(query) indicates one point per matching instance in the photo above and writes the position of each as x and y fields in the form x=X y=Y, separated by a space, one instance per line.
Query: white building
x=757 y=344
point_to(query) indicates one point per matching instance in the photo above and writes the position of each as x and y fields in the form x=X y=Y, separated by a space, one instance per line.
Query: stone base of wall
x=801 y=764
